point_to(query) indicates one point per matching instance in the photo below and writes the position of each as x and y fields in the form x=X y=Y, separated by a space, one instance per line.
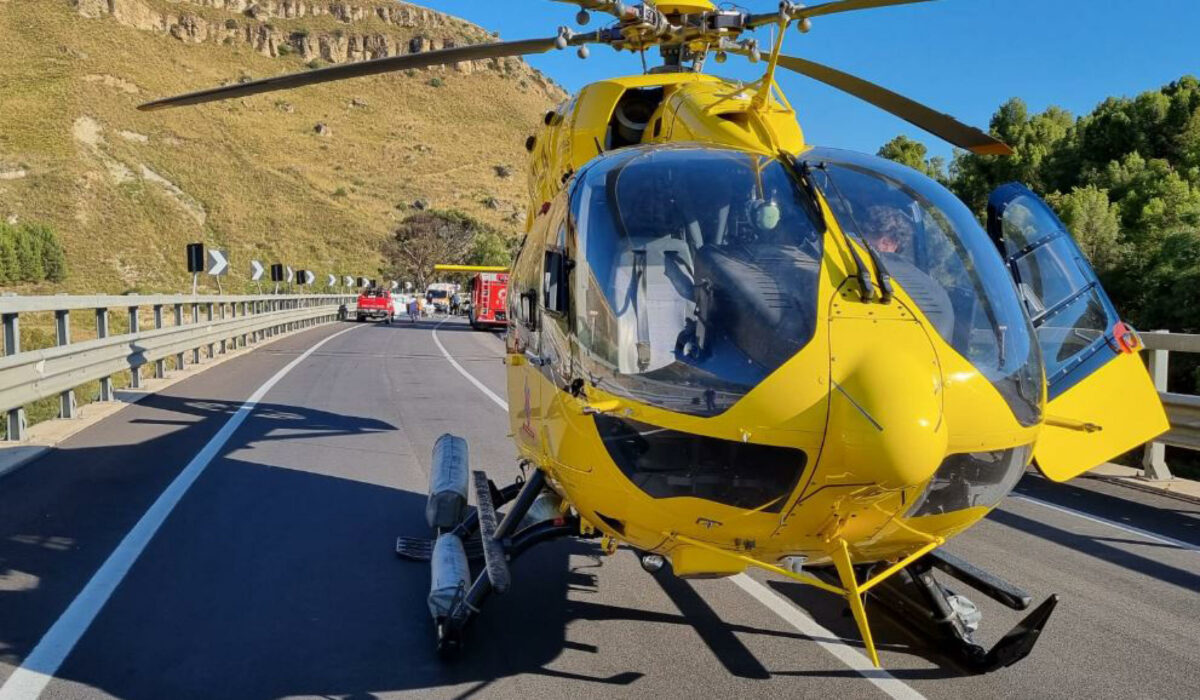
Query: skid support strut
x=854 y=596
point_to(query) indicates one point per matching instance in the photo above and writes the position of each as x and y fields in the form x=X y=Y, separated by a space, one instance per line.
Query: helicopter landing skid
x=494 y=542
x=949 y=621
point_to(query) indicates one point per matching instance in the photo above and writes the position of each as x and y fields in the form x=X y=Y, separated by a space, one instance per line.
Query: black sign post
x=195 y=262
x=277 y=275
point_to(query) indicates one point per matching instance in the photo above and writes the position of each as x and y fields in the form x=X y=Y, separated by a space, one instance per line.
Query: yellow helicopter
x=728 y=348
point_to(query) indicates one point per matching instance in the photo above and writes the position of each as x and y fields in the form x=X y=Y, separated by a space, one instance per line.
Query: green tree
x=54 y=258
x=1096 y=224
x=1125 y=179
x=1154 y=197
x=10 y=271
x=29 y=256
x=489 y=248
x=428 y=238
x=1167 y=291
x=915 y=155
x=1038 y=154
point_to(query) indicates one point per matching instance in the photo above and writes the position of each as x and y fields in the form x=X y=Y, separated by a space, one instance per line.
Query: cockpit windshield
x=698 y=275
x=938 y=253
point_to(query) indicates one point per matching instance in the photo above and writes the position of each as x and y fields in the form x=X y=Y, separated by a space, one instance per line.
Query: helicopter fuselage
x=863 y=415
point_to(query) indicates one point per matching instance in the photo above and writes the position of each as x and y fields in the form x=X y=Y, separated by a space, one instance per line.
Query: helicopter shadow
x=266 y=580
x=832 y=613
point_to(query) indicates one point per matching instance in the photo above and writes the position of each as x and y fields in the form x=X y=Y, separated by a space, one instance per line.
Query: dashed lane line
x=39 y=667
x=790 y=614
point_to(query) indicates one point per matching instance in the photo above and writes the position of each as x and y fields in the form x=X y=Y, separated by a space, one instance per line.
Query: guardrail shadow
x=1181 y=522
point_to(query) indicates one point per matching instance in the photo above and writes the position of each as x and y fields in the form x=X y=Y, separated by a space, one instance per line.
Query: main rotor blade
x=941 y=125
x=474 y=52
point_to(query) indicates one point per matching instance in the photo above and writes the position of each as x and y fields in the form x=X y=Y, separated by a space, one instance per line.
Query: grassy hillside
x=125 y=190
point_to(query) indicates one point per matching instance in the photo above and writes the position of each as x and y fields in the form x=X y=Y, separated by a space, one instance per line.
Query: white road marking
x=1161 y=539
x=807 y=626
x=826 y=639
x=454 y=363
x=39 y=667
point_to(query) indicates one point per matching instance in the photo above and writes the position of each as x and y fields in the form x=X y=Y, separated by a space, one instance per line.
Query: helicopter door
x=524 y=341
x=1100 y=399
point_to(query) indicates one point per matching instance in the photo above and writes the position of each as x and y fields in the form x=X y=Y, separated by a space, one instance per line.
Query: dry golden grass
x=270 y=187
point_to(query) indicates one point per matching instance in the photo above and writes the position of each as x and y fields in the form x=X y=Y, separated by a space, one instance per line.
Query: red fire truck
x=489 y=299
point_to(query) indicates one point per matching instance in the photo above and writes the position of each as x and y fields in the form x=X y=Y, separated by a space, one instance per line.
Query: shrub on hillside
x=30 y=253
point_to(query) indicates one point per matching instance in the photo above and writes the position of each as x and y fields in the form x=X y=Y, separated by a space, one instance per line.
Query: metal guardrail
x=1183 y=410
x=220 y=322
x=215 y=323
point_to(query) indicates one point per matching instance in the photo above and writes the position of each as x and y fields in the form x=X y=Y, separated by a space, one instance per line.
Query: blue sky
x=963 y=57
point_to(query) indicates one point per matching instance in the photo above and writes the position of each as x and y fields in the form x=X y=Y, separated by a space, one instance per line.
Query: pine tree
x=54 y=261
x=9 y=270
x=29 y=256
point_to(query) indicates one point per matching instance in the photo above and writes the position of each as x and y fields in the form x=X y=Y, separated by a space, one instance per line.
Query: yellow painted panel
x=686 y=6
x=1119 y=399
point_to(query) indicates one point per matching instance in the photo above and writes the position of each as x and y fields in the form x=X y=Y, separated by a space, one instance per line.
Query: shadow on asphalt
x=832 y=613
x=1181 y=522
x=1099 y=548
x=269 y=581
x=265 y=581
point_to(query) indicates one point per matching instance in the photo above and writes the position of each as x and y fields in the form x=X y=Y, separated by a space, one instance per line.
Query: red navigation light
x=1127 y=339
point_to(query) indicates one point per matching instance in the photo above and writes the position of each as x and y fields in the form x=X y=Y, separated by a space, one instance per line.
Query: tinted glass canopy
x=697 y=274
x=938 y=253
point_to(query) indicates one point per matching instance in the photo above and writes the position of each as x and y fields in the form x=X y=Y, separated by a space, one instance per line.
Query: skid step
x=986 y=582
x=494 y=558
x=421 y=548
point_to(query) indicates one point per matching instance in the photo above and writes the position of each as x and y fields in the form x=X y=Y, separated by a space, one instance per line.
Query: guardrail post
x=12 y=345
x=221 y=314
x=135 y=371
x=196 y=321
x=62 y=327
x=178 y=323
x=1154 y=459
x=245 y=313
x=160 y=365
x=106 y=387
x=212 y=347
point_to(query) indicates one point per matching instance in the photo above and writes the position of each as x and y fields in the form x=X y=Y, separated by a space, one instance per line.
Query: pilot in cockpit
x=889 y=230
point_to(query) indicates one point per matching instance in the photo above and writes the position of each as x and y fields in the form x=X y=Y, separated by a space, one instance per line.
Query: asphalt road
x=273 y=575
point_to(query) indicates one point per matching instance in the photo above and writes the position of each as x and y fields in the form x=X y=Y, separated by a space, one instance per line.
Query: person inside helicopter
x=936 y=251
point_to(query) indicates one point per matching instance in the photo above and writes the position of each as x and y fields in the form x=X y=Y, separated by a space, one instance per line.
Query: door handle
x=600 y=407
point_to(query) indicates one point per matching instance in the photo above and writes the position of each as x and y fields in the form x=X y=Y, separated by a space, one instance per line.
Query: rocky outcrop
x=367 y=36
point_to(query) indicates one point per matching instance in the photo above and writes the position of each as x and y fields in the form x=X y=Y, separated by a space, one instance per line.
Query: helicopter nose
x=885 y=406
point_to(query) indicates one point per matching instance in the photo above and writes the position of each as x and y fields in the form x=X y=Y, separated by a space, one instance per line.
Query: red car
x=489 y=296
x=375 y=303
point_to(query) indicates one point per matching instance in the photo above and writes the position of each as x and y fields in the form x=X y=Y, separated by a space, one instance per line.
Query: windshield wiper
x=883 y=277
x=639 y=308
